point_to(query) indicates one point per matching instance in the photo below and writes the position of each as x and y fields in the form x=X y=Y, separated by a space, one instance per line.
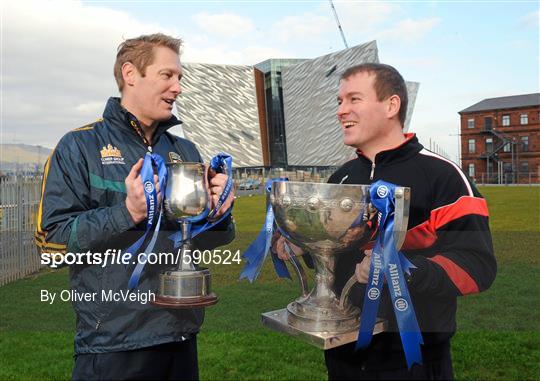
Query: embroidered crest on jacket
x=111 y=155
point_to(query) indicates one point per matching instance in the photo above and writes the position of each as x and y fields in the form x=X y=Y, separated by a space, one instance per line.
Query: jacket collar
x=404 y=151
x=126 y=121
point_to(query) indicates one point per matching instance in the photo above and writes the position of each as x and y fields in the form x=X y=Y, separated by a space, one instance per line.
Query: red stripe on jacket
x=424 y=235
x=463 y=281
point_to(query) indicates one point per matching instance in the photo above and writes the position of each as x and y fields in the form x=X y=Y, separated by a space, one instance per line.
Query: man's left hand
x=217 y=183
x=362 y=268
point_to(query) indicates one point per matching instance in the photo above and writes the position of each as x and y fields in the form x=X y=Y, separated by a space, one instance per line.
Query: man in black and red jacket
x=448 y=238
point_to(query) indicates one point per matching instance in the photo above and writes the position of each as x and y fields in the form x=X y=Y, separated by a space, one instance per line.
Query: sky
x=57 y=56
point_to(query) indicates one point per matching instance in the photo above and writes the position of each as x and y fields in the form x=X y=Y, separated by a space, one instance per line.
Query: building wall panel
x=218 y=106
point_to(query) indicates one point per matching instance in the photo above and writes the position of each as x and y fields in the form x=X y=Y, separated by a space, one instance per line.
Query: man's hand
x=135 y=200
x=362 y=268
x=217 y=183
x=282 y=252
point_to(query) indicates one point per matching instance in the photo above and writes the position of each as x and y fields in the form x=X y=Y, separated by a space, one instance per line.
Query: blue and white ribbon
x=257 y=251
x=387 y=263
x=152 y=206
x=221 y=163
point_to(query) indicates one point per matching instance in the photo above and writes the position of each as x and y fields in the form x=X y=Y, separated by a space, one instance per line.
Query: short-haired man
x=93 y=200
x=448 y=237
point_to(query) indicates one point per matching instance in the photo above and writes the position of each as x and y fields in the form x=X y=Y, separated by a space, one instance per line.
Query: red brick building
x=500 y=140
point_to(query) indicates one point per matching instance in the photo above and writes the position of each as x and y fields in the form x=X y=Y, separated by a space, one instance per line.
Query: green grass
x=498 y=334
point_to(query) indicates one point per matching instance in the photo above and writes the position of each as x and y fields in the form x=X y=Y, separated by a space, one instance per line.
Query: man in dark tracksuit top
x=93 y=200
x=448 y=238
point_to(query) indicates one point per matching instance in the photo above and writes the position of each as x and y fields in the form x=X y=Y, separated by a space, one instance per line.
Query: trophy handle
x=344 y=299
x=299 y=269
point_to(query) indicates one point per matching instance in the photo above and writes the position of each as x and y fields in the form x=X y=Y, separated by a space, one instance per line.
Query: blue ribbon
x=257 y=251
x=389 y=264
x=220 y=163
x=152 y=206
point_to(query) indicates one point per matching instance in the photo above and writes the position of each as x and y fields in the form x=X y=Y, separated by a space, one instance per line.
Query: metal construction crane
x=339 y=24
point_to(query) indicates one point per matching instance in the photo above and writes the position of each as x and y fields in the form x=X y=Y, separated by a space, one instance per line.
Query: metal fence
x=507 y=178
x=19 y=201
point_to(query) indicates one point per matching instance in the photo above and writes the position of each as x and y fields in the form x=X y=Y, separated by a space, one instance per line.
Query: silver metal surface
x=279 y=321
x=185 y=284
x=186 y=191
x=186 y=201
x=318 y=216
x=299 y=269
x=218 y=107
x=326 y=220
x=309 y=104
x=401 y=215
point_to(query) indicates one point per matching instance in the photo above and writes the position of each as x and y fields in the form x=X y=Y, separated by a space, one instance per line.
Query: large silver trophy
x=328 y=220
x=186 y=201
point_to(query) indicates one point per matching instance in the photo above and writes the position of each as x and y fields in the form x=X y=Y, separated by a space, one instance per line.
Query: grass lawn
x=498 y=334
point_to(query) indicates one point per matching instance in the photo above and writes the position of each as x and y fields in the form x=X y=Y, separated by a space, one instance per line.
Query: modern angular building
x=500 y=139
x=278 y=113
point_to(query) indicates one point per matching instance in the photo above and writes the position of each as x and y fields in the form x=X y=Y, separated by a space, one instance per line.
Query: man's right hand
x=135 y=200
x=282 y=252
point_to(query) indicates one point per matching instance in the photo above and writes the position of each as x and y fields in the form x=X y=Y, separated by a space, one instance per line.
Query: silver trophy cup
x=327 y=220
x=187 y=202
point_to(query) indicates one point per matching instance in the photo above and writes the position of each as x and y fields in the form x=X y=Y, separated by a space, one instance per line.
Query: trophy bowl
x=327 y=220
x=186 y=201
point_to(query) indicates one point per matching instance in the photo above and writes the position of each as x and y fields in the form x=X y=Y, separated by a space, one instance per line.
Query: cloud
x=531 y=19
x=57 y=65
x=362 y=19
x=58 y=57
x=307 y=26
x=225 y=54
x=409 y=30
x=224 y=24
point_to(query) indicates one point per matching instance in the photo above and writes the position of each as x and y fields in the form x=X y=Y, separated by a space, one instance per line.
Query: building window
x=506 y=147
x=524 y=119
x=470 y=123
x=524 y=167
x=489 y=145
x=525 y=143
x=472 y=146
x=488 y=123
x=471 y=170
x=506 y=120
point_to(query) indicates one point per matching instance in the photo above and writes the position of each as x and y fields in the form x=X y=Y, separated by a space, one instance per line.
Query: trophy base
x=185 y=289
x=279 y=320
x=202 y=301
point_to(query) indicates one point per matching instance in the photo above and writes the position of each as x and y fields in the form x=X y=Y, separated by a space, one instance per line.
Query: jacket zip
x=372 y=171
x=138 y=129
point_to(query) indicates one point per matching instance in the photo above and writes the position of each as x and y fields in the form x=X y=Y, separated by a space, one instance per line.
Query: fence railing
x=19 y=202
x=507 y=178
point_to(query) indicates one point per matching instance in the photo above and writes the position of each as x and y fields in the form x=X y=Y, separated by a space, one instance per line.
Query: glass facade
x=275 y=117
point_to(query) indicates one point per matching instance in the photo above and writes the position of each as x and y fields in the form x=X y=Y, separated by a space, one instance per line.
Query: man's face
x=362 y=117
x=155 y=93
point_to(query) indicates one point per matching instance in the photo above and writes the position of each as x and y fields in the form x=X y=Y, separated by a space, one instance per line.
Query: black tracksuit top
x=448 y=240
